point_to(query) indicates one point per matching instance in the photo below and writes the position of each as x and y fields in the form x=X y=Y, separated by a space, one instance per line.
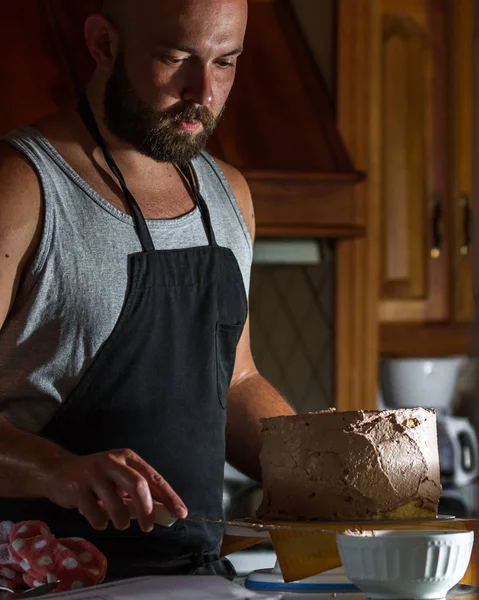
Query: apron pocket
x=227 y=338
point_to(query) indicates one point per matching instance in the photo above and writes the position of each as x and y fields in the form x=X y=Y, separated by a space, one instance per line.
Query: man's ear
x=102 y=41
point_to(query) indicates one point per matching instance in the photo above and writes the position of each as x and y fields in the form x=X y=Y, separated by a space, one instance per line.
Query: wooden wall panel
x=357 y=280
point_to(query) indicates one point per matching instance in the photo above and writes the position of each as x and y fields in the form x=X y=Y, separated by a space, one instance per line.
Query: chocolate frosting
x=349 y=465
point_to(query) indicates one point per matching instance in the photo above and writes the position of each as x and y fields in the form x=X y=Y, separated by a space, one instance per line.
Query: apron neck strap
x=88 y=118
x=142 y=230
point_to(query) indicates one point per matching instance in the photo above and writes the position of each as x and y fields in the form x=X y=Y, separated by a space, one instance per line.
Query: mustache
x=189 y=113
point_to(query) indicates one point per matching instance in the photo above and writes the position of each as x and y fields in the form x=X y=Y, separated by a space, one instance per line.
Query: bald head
x=122 y=12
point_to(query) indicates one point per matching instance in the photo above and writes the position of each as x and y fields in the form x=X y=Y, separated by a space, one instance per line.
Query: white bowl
x=426 y=382
x=406 y=564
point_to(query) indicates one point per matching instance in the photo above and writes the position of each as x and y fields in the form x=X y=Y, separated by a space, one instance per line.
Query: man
x=125 y=254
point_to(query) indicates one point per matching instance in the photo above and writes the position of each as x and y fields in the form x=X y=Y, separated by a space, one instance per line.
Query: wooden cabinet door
x=462 y=36
x=414 y=284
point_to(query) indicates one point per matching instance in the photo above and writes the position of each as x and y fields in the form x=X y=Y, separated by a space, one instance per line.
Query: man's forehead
x=205 y=25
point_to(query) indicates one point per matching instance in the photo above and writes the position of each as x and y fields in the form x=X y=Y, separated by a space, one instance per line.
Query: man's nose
x=198 y=89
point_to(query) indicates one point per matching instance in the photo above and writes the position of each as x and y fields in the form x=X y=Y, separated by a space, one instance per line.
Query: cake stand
x=271 y=580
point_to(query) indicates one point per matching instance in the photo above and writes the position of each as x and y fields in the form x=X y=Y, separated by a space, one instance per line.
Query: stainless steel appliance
x=458 y=451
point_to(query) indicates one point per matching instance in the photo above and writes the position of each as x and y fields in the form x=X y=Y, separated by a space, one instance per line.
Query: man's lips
x=189 y=126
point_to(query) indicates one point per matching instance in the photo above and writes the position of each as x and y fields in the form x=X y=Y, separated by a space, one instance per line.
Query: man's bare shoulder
x=19 y=183
x=242 y=193
x=20 y=221
x=20 y=198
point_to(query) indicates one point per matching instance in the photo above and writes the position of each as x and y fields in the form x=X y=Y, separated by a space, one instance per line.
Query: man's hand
x=97 y=484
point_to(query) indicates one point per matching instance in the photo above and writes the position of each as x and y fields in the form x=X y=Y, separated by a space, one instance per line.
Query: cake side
x=350 y=465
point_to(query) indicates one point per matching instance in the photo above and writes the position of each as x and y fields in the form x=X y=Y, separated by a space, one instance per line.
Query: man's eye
x=173 y=61
x=225 y=64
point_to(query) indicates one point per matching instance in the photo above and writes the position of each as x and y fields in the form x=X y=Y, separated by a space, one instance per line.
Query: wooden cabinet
x=461 y=65
x=415 y=274
x=389 y=54
x=426 y=292
x=404 y=109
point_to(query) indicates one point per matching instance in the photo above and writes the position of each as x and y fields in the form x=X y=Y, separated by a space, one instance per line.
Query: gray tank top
x=70 y=300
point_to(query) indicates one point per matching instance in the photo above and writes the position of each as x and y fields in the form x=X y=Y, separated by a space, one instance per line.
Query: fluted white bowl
x=426 y=382
x=406 y=564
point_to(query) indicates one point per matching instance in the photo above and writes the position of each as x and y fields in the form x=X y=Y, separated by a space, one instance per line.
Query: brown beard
x=151 y=132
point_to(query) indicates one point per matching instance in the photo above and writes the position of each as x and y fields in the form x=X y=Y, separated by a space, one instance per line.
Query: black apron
x=159 y=386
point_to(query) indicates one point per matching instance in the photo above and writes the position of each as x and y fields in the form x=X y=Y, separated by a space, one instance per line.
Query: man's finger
x=160 y=489
x=113 y=505
x=130 y=480
x=92 y=511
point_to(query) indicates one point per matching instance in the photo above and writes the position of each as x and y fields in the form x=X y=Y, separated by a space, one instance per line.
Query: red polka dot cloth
x=30 y=556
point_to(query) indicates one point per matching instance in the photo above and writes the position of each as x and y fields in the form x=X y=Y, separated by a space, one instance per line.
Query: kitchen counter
x=350 y=596
x=312 y=596
x=203 y=588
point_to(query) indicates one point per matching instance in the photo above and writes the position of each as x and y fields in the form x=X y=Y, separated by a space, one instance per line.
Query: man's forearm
x=24 y=460
x=249 y=401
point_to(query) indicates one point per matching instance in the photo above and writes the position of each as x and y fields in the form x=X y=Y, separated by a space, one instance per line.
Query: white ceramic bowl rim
x=453 y=358
x=407 y=533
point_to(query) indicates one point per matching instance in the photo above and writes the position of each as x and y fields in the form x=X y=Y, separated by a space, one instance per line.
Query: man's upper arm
x=244 y=364
x=20 y=222
x=242 y=193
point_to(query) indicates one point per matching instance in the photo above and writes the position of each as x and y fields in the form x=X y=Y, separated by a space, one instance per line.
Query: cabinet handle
x=436 y=227
x=466 y=212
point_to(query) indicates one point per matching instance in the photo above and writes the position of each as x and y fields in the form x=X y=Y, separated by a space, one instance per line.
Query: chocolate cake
x=350 y=465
